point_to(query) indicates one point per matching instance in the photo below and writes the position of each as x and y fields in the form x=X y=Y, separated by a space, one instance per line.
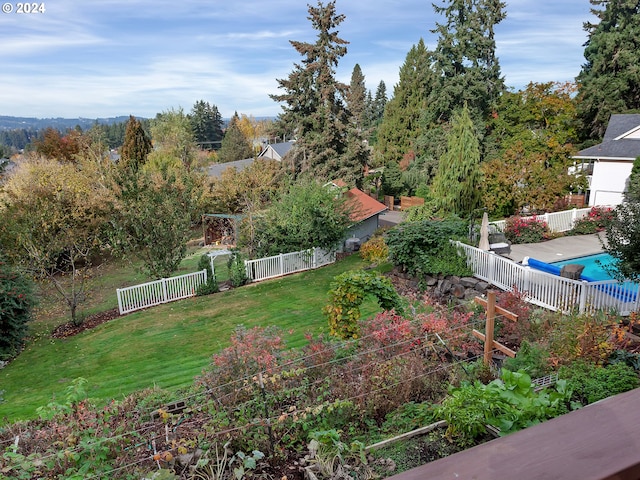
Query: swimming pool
x=592 y=265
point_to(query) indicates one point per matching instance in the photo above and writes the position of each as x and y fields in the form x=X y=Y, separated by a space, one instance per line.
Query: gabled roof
x=216 y=169
x=276 y=151
x=363 y=205
x=621 y=140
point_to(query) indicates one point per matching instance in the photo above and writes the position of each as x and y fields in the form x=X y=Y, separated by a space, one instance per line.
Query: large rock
x=469 y=282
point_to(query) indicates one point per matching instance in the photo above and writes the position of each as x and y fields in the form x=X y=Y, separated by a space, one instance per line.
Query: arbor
x=314 y=109
x=235 y=146
x=206 y=122
x=307 y=215
x=136 y=146
x=456 y=186
x=609 y=81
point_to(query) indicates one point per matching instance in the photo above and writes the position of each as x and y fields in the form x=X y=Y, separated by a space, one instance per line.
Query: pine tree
x=235 y=145
x=465 y=60
x=400 y=125
x=206 y=123
x=356 y=98
x=136 y=146
x=609 y=81
x=456 y=186
x=314 y=109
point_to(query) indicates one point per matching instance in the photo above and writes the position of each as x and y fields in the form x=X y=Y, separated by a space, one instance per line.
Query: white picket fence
x=160 y=291
x=551 y=291
x=284 y=264
x=557 y=221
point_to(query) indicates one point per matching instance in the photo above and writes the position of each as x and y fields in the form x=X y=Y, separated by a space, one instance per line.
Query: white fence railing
x=551 y=291
x=557 y=221
x=284 y=264
x=161 y=291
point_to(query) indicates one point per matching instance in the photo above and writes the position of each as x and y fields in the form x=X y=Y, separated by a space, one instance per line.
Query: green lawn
x=166 y=345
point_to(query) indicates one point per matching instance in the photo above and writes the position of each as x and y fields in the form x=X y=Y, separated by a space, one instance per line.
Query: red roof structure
x=363 y=205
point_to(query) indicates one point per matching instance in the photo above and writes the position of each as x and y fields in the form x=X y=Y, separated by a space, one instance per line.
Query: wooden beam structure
x=489 y=343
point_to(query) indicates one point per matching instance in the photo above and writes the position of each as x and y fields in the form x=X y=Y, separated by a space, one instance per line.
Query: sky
x=106 y=58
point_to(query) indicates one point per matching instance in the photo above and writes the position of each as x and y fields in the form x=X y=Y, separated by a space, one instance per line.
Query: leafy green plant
x=532 y=358
x=509 y=403
x=591 y=383
x=424 y=247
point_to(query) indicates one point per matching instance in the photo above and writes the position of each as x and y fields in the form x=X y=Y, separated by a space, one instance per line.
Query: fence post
x=583 y=296
x=247 y=270
x=492 y=267
x=164 y=291
x=488 y=333
x=315 y=258
x=527 y=279
x=119 y=294
x=281 y=260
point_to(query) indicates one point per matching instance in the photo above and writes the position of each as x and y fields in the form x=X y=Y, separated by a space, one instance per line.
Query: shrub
x=16 y=303
x=595 y=221
x=526 y=230
x=424 y=247
x=375 y=250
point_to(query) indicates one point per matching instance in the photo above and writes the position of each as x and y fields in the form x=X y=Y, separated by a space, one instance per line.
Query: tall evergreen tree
x=136 y=146
x=456 y=186
x=380 y=101
x=357 y=98
x=465 y=60
x=609 y=81
x=314 y=109
x=400 y=125
x=206 y=122
x=235 y=145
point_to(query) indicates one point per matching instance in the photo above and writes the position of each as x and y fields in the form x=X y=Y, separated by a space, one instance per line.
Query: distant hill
x=62 y=124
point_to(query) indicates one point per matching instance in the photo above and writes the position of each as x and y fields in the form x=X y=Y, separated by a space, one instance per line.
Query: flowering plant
x=526 y=230
x=595 y=221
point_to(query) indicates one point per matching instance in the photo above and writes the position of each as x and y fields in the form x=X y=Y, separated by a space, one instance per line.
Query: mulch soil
x=70 y=329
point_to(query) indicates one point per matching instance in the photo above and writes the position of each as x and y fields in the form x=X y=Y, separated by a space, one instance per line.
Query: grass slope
x=166 y=345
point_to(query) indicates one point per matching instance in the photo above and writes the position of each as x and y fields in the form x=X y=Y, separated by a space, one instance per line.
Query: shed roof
x=364 y=206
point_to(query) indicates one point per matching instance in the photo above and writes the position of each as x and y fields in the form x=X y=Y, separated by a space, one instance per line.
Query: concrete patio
x=562 y=248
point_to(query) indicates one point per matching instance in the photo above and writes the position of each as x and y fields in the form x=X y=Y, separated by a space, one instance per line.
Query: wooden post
x=487 y=336
x=488 y=332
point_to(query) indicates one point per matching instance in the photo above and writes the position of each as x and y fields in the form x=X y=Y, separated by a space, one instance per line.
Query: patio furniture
x=498 y=242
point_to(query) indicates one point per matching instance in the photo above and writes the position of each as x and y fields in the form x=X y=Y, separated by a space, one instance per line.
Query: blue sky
x=119 y=57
